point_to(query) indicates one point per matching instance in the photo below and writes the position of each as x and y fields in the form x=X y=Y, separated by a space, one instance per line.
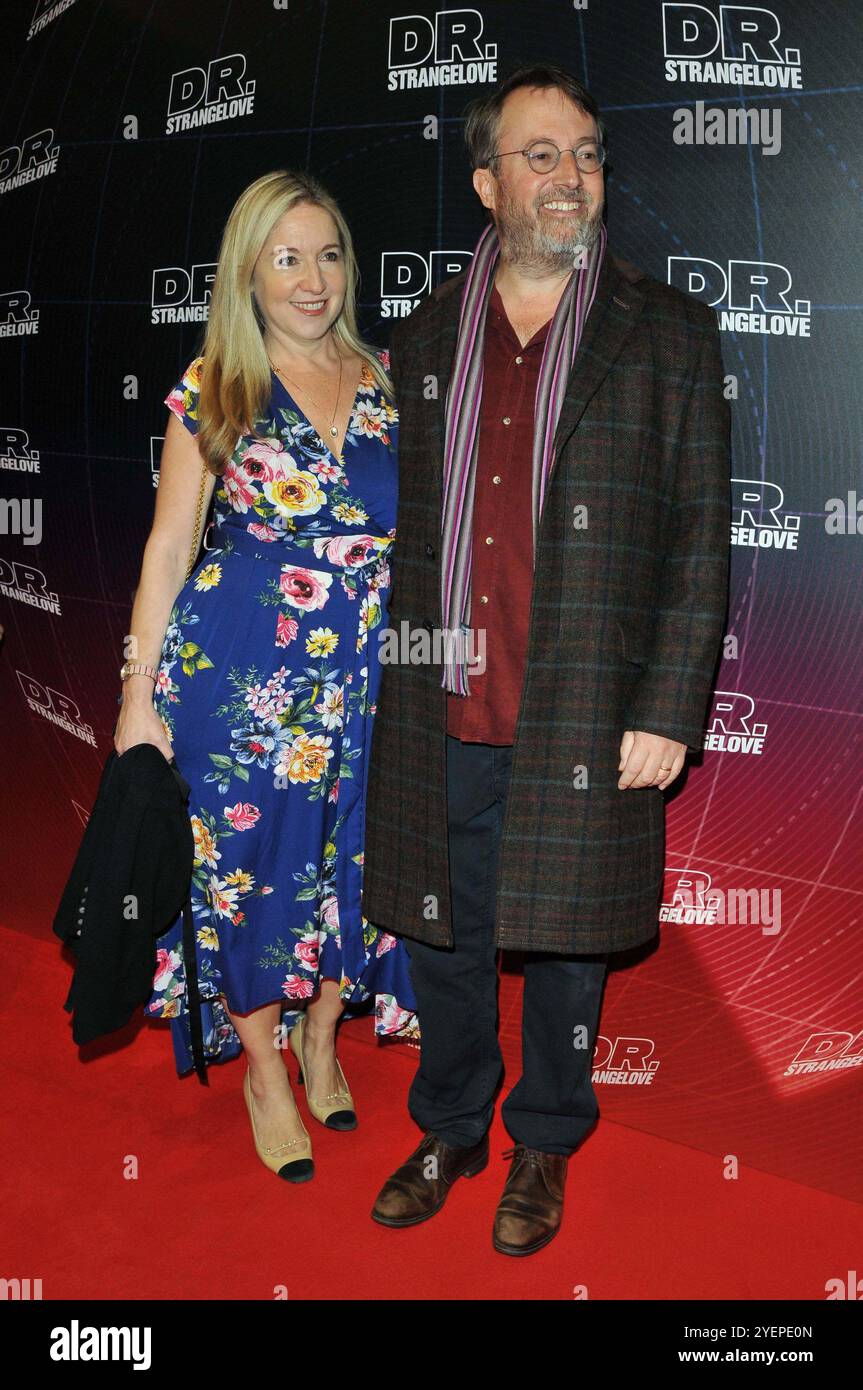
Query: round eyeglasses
x=543 y=156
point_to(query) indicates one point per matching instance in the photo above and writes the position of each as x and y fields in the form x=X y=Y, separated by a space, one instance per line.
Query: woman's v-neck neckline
x=337 y=458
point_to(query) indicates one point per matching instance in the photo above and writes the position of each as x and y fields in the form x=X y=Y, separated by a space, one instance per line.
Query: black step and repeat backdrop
x=129 y=127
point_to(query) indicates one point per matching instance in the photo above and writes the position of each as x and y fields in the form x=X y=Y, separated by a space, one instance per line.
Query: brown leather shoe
x=529 y=1211
x=418 y=1189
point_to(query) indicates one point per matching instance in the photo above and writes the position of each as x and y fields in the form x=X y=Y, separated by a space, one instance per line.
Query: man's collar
x=620 y=292
x=444 y=303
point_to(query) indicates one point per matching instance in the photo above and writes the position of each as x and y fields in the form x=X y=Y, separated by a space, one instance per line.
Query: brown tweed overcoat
x=626 y=623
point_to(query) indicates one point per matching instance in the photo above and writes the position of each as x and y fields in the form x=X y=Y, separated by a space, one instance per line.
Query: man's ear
x=484 y=183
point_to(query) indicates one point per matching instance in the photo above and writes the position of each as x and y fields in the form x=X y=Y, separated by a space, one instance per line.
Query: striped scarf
x=462 y=410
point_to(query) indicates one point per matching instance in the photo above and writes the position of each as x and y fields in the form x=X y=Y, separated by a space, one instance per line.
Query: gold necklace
x=316 y=404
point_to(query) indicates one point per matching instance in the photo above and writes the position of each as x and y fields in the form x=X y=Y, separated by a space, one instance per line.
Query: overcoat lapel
x=616 y=307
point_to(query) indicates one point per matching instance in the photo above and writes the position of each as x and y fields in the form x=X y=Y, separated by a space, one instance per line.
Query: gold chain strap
x=193 y=553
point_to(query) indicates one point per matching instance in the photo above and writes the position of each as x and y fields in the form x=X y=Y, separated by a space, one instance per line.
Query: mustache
x=564 y=196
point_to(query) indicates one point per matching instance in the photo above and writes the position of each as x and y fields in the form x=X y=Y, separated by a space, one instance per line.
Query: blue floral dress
x=266 y=689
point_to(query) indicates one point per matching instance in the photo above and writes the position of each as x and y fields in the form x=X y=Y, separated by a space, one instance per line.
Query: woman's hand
x=138 y=721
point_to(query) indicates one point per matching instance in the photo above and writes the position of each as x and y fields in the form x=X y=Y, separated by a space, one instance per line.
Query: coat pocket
x=631 y=644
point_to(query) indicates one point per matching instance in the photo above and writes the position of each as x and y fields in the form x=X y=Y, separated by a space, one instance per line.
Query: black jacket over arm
x=130 y=879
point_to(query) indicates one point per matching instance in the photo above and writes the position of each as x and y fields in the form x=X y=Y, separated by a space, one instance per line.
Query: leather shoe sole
x=524 y=1249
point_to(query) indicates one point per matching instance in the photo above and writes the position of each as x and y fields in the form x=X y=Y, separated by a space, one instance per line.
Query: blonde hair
x=236 y=382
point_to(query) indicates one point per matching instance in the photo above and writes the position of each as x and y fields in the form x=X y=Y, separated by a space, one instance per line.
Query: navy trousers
x=552 y=1106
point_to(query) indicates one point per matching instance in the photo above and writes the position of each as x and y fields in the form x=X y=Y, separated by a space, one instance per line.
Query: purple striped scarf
x=462 y=409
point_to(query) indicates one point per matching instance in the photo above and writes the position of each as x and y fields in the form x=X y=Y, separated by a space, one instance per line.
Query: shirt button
x=489 y=540
x=506 y=420
x=496 y=478
x=519 y=361
x=483 y=598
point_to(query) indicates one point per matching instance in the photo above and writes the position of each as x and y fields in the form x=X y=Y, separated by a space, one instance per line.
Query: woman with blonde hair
x=260 y=674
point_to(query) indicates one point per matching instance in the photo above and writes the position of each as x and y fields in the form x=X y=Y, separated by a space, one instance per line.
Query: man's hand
x=643 y=758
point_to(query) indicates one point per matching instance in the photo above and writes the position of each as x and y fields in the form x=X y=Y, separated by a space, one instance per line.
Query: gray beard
x=527 y=245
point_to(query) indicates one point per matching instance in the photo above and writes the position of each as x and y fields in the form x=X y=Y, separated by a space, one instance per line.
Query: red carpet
x=645 y=1218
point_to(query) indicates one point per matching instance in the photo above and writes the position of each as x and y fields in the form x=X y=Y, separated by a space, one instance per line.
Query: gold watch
x=137 y=668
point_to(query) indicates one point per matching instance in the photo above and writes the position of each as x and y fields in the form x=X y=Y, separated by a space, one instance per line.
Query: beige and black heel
x=299 y=1167
x=335 y=1111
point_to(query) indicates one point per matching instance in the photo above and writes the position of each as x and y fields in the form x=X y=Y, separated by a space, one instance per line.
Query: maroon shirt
x=501 y=571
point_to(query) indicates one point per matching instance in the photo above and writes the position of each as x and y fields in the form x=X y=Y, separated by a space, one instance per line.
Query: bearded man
x=563 y=535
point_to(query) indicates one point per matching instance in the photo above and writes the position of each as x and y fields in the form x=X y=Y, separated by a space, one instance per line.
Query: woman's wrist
x=138 y=689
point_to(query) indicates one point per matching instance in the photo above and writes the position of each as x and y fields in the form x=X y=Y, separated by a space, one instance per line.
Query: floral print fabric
x=267 y=688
